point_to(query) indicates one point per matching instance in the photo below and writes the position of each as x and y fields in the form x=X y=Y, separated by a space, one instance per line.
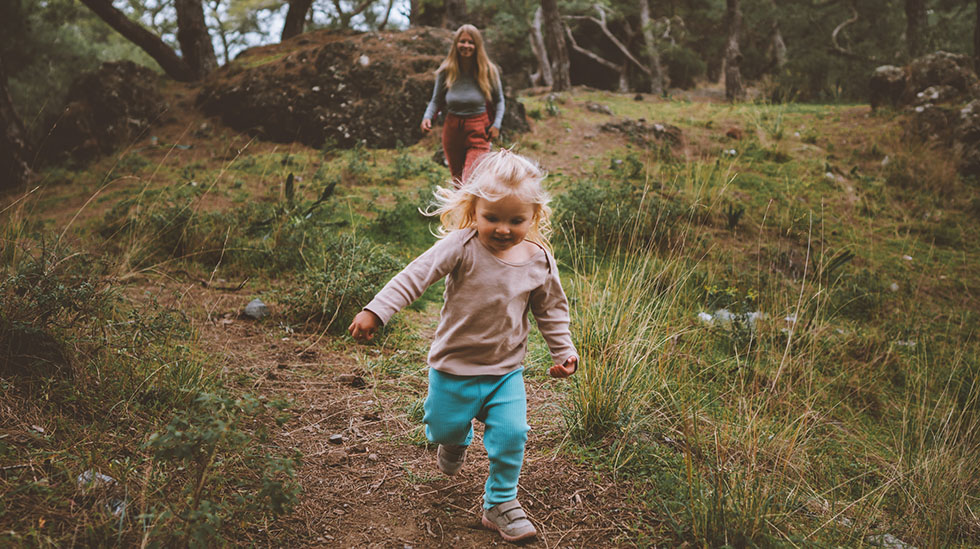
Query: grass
x=845 y=411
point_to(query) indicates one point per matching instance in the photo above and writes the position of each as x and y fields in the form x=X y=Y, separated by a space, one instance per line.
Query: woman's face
x=465 y=45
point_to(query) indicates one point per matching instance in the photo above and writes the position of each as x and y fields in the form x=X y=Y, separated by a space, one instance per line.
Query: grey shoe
x=450 y=458
x=509 y=519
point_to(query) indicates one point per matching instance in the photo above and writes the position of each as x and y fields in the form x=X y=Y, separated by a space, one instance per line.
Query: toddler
x=494 y=254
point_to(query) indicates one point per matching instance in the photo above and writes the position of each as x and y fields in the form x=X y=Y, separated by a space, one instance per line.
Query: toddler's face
x=503 y=224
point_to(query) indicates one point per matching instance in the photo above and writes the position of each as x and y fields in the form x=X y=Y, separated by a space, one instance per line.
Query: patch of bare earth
x=373 y=486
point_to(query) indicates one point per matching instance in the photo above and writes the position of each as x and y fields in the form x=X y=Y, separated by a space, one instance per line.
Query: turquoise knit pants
x=501 y=404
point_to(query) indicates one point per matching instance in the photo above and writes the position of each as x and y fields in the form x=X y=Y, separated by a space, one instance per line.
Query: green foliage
x=404 y=225
x=342 y=278
x=45 y=45
x=190 y=450
x=857 y=295
x=607 y=208
x=684 y=66
x=52 y=301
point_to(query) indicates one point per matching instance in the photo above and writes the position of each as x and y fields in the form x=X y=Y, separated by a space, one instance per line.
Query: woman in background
x=468 y=88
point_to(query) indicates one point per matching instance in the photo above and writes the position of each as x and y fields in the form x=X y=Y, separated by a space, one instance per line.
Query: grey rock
x=889 y=541
x=256 y=309
x=92 y=479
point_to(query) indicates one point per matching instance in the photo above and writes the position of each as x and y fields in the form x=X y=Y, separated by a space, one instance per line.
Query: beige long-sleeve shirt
x=484 y=325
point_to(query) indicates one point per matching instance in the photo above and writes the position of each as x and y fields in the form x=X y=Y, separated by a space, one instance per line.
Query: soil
x=376 y=488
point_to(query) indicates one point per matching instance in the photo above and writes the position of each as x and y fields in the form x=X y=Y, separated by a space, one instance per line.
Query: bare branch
x=589 y=54
x=838 y=49
x=612 y=38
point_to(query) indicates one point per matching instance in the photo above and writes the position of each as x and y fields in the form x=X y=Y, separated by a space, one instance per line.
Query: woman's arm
x=498 y=99
x=436 y=103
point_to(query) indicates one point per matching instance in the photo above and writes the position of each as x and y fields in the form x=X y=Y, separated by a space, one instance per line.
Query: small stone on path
x=256 y=309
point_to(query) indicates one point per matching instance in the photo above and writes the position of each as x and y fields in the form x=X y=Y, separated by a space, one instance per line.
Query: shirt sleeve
x=438 y=97
x=550 y=309
x=426 y=269
x=499 y=105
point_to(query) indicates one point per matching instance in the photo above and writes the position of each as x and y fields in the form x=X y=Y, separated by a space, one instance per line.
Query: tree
x=733 y=55
x=15 y=169
x=777 y=46
x=555 y=40
x=915 y=23
x=192 y=34
x=536 y=37
x=455 y=13
x=658 y=80
x=295 y=18
x=195 y=42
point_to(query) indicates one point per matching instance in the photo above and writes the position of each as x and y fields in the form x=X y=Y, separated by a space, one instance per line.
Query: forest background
x=774 y=287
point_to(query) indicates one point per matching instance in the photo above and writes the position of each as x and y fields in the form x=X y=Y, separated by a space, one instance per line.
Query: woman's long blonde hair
x=497 y=174
x=487 y=73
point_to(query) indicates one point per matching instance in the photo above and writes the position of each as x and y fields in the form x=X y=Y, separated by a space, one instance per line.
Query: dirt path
x=377 y=486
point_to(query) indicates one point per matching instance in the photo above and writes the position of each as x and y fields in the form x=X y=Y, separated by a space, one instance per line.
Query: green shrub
x=190 y=451
x=52 y=304
x=610 y=212
x=337 y=283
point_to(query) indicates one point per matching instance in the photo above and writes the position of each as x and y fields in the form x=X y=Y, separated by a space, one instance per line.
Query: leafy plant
x=189 y=450
x=340 y=280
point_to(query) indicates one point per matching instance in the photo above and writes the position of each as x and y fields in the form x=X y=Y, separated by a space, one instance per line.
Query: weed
x=340 y=279
x=733 y=215
x=189 y=450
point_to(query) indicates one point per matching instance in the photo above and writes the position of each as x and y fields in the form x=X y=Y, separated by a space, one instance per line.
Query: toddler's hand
x=566 y=369
x=364 y=326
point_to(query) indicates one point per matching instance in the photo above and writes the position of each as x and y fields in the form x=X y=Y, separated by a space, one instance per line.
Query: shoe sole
x=490 y=525
x=448 y=473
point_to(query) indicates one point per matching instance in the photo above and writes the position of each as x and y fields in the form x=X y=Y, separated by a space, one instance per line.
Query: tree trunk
x=777 y=46
x=543 y=76
x=555 y=39
x=15 y=153
x=915 y=24
x=384 y=22
x=192 y=35
x=455 y=13
x=733 y=55
x=658 y=80
x=295 y=18
x=174 y=66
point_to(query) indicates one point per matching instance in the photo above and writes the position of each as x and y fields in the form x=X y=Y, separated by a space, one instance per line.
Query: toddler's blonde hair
x=496 y=175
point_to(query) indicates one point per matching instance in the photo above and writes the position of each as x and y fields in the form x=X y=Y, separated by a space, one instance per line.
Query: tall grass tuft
x=620 y=327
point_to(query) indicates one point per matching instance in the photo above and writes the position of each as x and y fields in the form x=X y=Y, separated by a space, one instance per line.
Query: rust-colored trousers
x=464 y=140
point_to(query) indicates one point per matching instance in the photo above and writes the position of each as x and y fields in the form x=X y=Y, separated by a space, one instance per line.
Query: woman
x=467 y=83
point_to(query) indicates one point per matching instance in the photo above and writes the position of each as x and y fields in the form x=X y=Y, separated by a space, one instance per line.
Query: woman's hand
x=426 y=125
x=493 y=132
x=566 y=369
x=364 y=326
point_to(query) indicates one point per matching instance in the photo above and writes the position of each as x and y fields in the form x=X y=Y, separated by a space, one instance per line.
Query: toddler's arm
x=364 y=326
